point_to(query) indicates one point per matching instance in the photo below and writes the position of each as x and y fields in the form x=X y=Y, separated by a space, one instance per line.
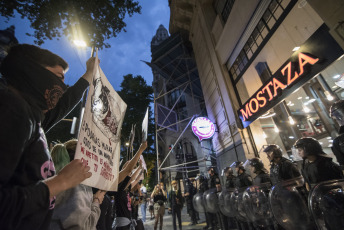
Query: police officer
x=230 y=178
x=317 y=165
x=214 y=182
x=229 y=222
x=203 y=186
x=243 y=179
x=281 y=168
x=337 y=114
x=189 y=193
x=261 y=173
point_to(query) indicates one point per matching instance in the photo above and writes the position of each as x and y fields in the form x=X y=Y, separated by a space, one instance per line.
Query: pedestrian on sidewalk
x=176 y=204
x=143 y=190
x=159 y=197
x=151 y=207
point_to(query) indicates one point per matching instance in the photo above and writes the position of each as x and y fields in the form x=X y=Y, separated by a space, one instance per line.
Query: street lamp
x=82 y=44
x=79 y=43
x=127 y=145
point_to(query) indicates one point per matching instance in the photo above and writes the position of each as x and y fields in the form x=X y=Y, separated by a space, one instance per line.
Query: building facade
x=269 y=69
x=178 y=100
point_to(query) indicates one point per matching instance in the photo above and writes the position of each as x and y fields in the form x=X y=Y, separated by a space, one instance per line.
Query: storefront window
x=305 y=112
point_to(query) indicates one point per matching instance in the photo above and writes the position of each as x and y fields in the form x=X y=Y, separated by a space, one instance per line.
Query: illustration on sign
x=203 y=128
x=99 y=137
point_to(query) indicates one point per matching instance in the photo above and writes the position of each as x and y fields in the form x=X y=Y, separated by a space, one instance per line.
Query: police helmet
x=238 y=165
x=257 y=164
x=275 y=149
x=212 y=169
x=201 y=178
x=310 y=146
x=337 y=112
x=228 y=170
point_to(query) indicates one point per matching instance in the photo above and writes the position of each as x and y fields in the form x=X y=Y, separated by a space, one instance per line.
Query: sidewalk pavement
x=168 y=225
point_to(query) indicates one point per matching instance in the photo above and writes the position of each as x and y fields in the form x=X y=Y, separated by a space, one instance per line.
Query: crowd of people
x=40 y=189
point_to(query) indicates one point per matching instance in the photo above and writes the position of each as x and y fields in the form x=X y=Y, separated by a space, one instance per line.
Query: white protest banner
x=144 y=166
x=100 y=132
x=145 y=127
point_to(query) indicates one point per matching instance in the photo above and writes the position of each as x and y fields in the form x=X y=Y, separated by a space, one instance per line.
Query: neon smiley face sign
x=203 y=128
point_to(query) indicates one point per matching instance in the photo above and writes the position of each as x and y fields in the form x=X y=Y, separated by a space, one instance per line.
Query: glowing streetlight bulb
x=79 y=43
x=127 y=144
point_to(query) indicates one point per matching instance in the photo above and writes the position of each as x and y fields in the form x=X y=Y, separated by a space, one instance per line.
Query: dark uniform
x=261 y=173
x=230 y=182
x=189 y=188
x=212 y=182
x=322 y=168
x=243 y=180
x=338 y=146
x=337 y=114
x=284 y=170
x=318 y=167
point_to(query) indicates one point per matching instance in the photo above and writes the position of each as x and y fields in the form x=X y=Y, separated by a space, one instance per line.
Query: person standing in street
x=176 y=205
x=189 y=193
x=159 y=198
x=143 y=190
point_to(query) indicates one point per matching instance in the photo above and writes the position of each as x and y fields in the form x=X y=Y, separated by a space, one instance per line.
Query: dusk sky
x=126 y=52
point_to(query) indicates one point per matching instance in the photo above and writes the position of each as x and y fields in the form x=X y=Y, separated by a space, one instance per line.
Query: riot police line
x=282 y=199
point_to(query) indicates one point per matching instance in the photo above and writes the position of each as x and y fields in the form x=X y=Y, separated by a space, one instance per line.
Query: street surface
x=168 y=225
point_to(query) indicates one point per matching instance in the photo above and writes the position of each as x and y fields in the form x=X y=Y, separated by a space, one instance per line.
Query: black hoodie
x=24 y=156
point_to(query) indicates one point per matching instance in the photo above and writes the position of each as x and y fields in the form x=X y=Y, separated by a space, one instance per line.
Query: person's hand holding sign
x=70 y=176
x=89 y=69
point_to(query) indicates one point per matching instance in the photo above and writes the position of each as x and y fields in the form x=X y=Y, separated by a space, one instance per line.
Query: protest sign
x=100 y=132
x=144 y=166
x=145 y=127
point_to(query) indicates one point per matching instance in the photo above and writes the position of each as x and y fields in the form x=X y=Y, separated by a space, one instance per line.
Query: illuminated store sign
x=319 y=51
x=203 y=128
x=274 y=87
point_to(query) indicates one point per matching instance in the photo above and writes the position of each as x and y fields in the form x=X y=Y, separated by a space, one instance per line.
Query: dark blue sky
x=126 y=52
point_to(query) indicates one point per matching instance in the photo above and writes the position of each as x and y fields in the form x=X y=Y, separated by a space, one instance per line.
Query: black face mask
x=32 y=80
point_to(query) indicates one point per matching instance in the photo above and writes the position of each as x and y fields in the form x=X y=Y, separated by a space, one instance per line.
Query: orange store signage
x=318 y=52
x=288 y=75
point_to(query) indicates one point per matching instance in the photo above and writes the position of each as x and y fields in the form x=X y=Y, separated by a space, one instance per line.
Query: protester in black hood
x=30 y=88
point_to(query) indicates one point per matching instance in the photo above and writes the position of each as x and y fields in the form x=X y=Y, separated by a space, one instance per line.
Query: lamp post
x=127 y=145
x=82 y=44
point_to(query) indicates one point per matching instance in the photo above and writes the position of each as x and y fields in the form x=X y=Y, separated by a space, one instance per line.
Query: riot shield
x=236 y=202
x=211 y=201
x=257 y=206
x=224 y=202
x=198 y=202
x=288 y=200
x=326 y=203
